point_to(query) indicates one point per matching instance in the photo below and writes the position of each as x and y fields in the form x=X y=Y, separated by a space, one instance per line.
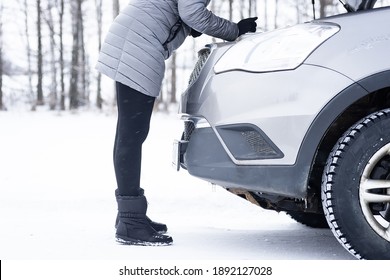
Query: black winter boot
x=159 y=227
x=133 y=227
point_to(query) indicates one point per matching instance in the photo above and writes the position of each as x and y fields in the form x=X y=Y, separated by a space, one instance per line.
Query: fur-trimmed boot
x=159 y=227
x=133 y=226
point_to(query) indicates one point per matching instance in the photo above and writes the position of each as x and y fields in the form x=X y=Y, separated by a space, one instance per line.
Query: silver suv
x=298 y=120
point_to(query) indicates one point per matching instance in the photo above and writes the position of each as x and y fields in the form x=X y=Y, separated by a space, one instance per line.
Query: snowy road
x=57 y=199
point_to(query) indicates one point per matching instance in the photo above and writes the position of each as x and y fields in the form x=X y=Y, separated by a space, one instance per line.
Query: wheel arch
x=349 y=106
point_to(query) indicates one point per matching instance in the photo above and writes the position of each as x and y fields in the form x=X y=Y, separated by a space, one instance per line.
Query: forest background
x=49 y=48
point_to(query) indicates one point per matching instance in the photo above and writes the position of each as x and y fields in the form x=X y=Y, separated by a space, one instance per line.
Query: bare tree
x=99 y=100
x=230 y=10
x=30 y=92
x=115 y=8
x=83 y=63
x=74 y=73
x=61 y=12
x=324 y=4
x=172 y=93
x=78 y=82
x=40 y=100
x=251 y=8
x=53 y=87
x=276 y=13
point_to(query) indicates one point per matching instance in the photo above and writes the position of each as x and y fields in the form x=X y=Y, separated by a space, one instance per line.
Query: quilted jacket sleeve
x=195 y=14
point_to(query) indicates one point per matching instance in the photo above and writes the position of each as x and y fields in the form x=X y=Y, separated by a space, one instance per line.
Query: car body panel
x=358 y=50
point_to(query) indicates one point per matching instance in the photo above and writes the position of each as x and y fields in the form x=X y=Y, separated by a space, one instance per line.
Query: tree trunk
x=250 y=9
x=78 y=86
x=276 y=13
x=40 y=100
x=173 y=80
x=99 y=100
x=323 y=5
x=53 y=87
x=74 y=71
x=115 y=8
x=230 y=10
x=62 y=63
x=30 y=93
x=84 y=85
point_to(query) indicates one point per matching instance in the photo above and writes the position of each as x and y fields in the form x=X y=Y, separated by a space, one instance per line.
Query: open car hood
x=358 y=5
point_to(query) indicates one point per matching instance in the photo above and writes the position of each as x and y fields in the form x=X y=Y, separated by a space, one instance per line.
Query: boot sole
x=128 y=241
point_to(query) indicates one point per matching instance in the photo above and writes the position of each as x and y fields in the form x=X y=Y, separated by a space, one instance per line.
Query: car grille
x=203 y=54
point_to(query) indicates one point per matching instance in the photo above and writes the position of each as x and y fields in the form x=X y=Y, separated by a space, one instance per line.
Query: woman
x=133 y=54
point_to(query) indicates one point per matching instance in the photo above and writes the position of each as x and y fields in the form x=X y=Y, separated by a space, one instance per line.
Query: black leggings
x=134 y=112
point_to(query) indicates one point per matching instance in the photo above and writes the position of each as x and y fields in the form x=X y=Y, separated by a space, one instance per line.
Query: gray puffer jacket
x=146 y=32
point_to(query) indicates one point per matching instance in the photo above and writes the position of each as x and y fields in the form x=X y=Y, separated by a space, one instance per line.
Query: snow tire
x=312 y=220
x=356 y=188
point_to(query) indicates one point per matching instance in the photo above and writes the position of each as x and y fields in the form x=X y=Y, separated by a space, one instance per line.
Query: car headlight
x=281 y=49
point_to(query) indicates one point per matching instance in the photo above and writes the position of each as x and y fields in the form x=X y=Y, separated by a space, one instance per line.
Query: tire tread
x=330 y=173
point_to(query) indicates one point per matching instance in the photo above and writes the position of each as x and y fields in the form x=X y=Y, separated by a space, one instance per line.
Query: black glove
x=195 y=33
x=247 y=25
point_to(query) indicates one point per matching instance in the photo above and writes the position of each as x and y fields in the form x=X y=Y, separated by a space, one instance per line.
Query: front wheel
x=312 y=220
x=356 y=188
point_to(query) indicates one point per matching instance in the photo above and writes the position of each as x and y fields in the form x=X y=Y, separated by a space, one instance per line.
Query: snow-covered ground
x=57 y=199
